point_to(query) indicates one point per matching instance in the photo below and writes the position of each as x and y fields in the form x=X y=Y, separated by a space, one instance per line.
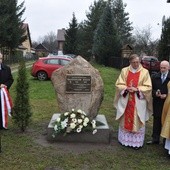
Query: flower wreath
x=74 y=121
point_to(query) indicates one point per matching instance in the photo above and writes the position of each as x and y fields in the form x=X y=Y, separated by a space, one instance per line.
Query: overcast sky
x=44 y=16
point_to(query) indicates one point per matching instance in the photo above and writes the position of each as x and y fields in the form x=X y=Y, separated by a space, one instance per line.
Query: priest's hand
x=132 y=89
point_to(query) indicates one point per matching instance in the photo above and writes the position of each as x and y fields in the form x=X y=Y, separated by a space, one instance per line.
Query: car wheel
x=42 y=75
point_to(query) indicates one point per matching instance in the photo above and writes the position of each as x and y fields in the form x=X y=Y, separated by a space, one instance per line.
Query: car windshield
x=150 y=59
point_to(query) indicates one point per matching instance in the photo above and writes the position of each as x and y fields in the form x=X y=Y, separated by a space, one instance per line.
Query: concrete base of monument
x=102 y=135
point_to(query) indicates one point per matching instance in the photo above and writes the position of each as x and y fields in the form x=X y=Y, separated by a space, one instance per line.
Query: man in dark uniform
x=159 y=93
x=6 y=80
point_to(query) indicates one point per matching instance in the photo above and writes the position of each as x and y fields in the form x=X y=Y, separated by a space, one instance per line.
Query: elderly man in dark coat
x=159 y=93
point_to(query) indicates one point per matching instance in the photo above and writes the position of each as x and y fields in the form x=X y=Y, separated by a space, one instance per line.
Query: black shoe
x=164 y=140
x=136 y=148
x=152 y=142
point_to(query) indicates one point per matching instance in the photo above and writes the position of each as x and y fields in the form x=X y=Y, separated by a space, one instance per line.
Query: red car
x=43 y=67
x=151 y=63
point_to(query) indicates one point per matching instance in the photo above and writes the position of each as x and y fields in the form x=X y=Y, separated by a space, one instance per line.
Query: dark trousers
x=0 y=143
x=157 y=126
x=1 y=127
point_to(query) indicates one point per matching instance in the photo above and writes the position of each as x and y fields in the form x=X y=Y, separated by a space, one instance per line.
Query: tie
x=163 y=77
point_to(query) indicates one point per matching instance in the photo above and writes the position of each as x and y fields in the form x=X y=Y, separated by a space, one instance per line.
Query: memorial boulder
x=78 y=85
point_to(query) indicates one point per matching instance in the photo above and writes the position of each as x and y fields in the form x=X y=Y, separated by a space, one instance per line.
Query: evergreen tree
x=22 y=109
x=11 y=25
x=164 y=44
x=70 y=45
x=121 y=20
x=87 y=28
x=81 y=45
x=106 y=44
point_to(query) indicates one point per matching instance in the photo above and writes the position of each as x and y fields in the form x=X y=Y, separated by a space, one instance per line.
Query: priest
x=133 y=102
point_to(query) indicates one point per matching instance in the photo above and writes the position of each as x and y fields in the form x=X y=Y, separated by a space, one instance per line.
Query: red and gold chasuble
x=132 y=80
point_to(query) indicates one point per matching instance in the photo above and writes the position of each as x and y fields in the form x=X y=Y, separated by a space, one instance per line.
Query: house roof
x=127 y=47
x=24 y=25
x=41 y=47
x=26 y=28
x=61 y=34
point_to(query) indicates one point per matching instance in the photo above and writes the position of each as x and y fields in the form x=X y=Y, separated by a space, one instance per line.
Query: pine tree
x=81 y=45
x=70 y=45
x=164 y=44
x=22 y=109
x=106 y=44
x=11 y=25
x=87 y=28
x=121 y=20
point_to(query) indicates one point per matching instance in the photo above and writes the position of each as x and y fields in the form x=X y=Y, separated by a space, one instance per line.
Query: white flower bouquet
x=74 y=121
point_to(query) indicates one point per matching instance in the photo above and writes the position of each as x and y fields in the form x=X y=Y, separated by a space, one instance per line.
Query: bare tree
x=34 y=44
x=49 y=41
x=144 y=43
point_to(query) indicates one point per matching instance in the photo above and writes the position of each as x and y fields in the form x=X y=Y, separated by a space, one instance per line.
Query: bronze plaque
x=78 y=83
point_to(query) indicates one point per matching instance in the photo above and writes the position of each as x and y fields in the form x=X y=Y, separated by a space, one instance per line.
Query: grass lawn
x=30 y=150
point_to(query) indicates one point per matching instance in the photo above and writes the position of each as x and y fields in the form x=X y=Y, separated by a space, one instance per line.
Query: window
x=64 y=62
x=52 y=61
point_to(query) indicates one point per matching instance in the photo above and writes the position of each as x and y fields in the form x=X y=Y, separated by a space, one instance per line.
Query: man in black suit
x=159 y=93
x=6 y=80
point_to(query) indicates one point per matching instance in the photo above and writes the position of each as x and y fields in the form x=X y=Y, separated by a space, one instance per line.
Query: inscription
x=78 y=83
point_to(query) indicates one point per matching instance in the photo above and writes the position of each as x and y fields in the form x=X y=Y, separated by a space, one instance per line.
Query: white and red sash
x=6 y=106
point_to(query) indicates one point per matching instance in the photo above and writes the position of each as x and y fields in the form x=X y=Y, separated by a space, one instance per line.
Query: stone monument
x=79 y=85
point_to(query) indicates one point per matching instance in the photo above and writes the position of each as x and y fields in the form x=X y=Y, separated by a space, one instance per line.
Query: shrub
x=22 y=110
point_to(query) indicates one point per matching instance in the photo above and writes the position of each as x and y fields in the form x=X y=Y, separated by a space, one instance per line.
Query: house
x=41 y=50
x=26 y=46
x=60 y=39
x=127 y=50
